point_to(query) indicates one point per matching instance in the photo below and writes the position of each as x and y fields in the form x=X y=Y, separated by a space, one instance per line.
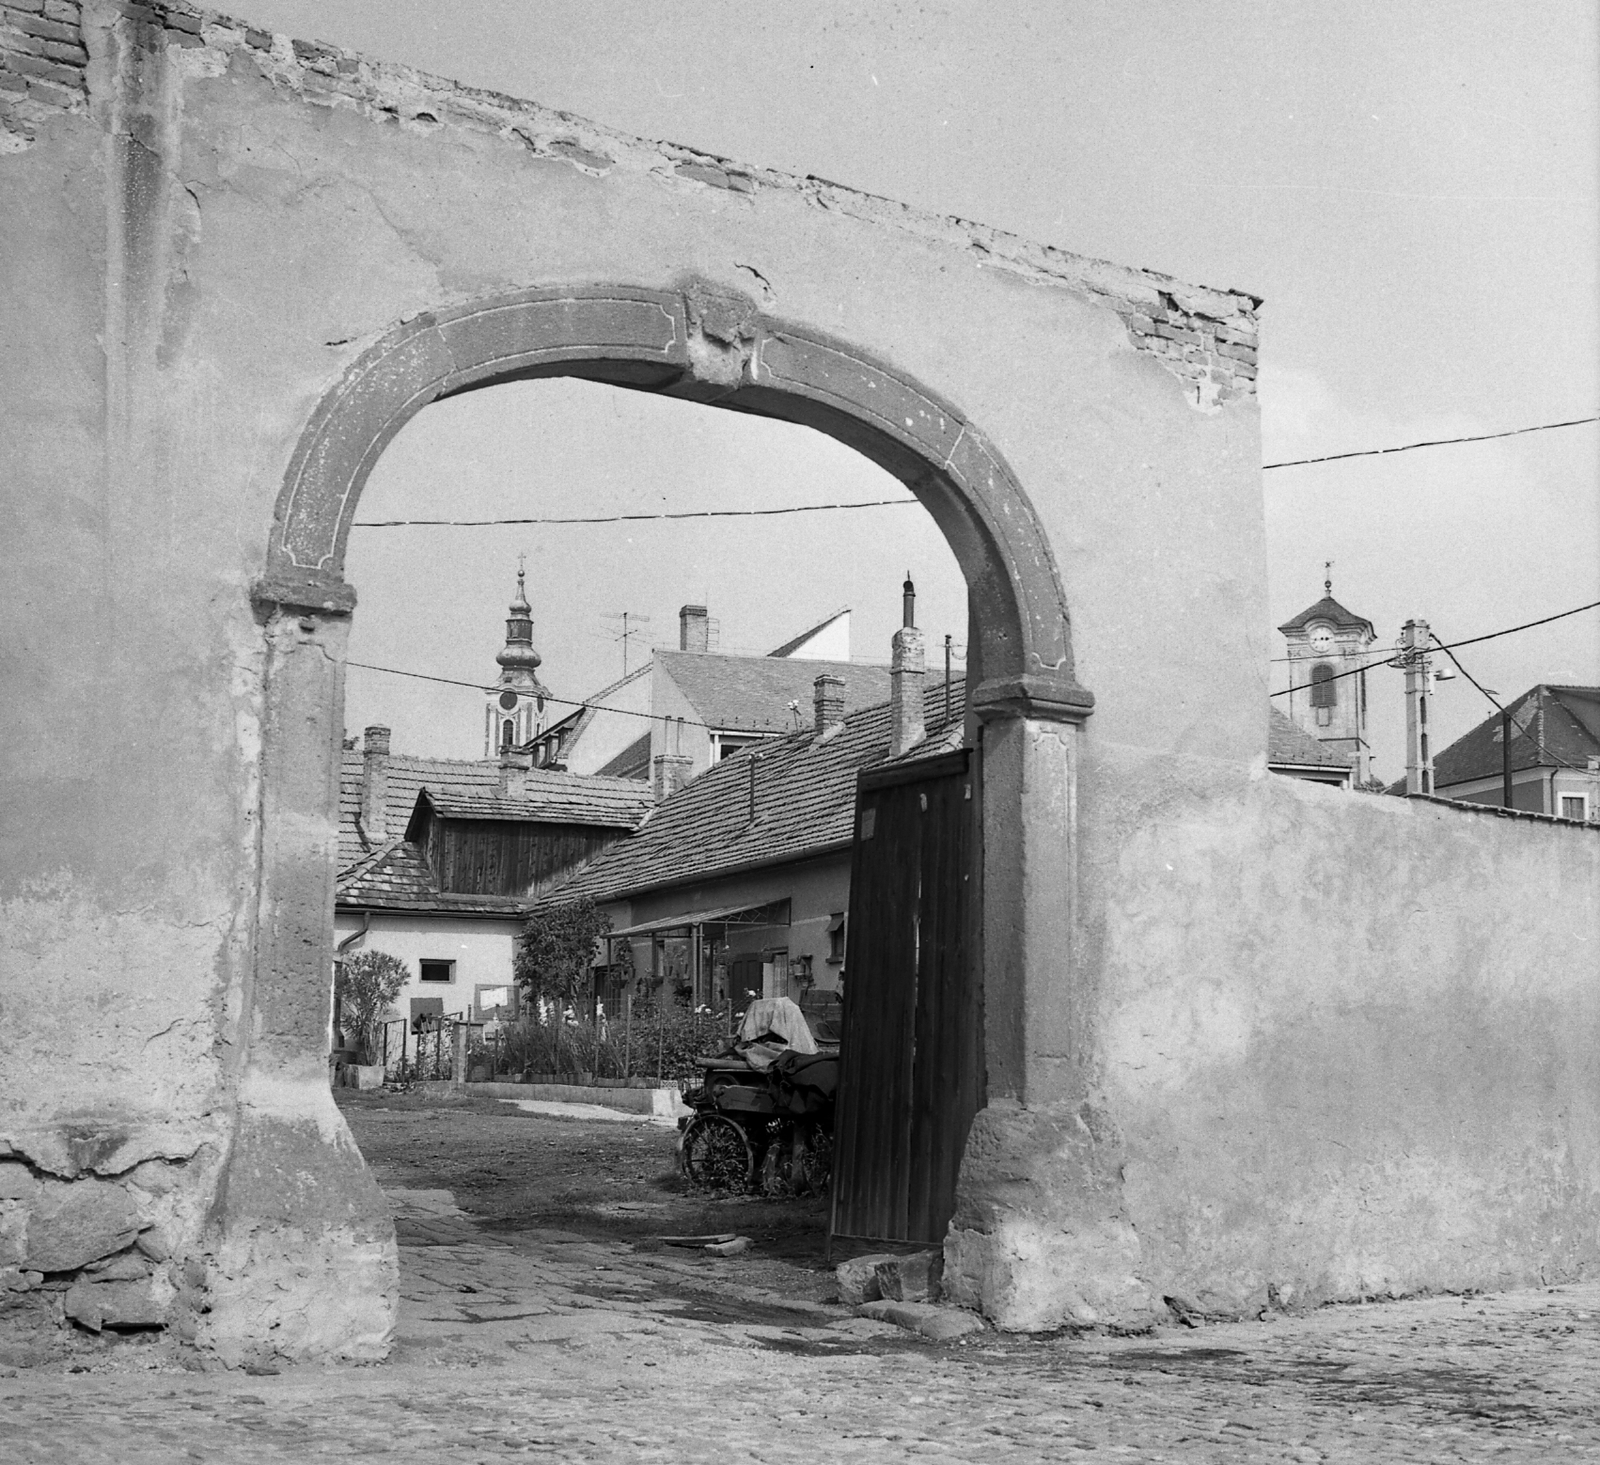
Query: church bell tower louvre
x=1329 y=647
x=514 y=713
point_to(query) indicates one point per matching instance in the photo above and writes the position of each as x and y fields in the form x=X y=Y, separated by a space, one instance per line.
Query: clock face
x=1322 y=639
x=508 y=700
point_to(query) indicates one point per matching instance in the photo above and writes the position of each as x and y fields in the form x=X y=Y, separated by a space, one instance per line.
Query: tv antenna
x=631 y=622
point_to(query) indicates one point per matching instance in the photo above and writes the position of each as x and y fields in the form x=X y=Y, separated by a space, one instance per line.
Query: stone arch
x=713 y=347
x=328 y=1228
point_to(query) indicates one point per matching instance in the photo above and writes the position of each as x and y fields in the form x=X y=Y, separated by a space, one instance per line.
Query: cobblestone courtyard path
x=541 y=1322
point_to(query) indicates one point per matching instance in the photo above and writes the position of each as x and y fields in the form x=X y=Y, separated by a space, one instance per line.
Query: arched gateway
x=695 y=343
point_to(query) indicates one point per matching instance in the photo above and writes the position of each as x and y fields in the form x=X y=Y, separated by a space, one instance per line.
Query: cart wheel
x=716 y=1153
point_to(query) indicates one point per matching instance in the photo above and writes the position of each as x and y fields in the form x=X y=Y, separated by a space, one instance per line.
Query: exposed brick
x=137 y=12
x=68 y=12
x=716 y=177
x=1245 y=369
x=575 y=152
x=29 y=7
x=309 y=51
x=50 y=30
x=1177 y=333
x=10 y=83
x=1239 y=353
x=68 y=51
x=348 y=66
x=177 y=21
x=49 y=70
x=185 y=38
x=52 y=95
x=1140 y=323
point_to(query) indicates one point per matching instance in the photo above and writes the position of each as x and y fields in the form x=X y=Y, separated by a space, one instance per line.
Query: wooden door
x=911 y=1059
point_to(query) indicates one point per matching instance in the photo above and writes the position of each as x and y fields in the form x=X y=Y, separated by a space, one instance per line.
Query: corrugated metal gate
x=911 y=1060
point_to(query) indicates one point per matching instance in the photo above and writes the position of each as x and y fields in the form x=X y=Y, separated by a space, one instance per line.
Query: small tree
x=556 y=948
x=367 y=987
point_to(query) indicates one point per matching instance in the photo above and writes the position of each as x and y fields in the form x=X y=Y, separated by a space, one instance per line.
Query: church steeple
x=515 y=711
x=1329 y=649
x=519 y=650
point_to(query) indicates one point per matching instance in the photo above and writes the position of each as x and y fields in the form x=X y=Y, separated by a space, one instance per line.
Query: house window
x=438 y=971
x=508 y=733
x=836 y=938
x=1575 y=806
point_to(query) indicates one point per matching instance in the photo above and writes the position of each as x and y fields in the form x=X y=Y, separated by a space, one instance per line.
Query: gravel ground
x=542 y=1318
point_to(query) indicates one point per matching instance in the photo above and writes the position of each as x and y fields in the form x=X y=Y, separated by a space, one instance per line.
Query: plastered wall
x=1184 y=960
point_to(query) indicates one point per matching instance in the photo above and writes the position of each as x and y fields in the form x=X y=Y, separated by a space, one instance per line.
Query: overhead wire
x=640 y=518
x=1526 y=731
x=1441 y=442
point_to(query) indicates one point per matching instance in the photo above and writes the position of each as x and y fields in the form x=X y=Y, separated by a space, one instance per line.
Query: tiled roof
x=561 y=798
x=1289 y=743
x=397 y=877
x=754 y=692
x=1327 y=609
x=805 y=793
x=632 y=762
x=553 y=798
x=1552 y=726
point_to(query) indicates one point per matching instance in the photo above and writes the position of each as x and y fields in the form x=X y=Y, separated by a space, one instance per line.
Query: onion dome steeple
x=514 y=714
x=519 y=650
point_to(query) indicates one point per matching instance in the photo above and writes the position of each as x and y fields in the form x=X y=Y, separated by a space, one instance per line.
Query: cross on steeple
x=1327 y=570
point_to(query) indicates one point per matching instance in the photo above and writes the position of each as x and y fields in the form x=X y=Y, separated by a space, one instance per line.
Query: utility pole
x=1414 y=638
x=947 y=650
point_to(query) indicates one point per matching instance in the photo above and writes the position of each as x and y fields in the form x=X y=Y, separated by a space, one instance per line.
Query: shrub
x=366 y=987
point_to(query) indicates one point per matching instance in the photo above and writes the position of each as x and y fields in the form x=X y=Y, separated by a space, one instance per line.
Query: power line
x=899 y=502
x=1525 y=626
x=1441 y=442
x=1492 y=635
x=630 y=518
x=1526 y=731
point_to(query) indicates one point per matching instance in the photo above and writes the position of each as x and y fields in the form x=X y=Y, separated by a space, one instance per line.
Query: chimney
x=827 y=695
x=514 y=774
x=906 y=668
x=374 y=783
x=668 y=773
x=693 y=628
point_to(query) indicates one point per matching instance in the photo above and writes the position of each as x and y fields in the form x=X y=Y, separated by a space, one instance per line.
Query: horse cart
x=763 y=1111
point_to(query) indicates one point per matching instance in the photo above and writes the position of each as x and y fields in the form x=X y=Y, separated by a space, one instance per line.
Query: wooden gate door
x=911 y=1056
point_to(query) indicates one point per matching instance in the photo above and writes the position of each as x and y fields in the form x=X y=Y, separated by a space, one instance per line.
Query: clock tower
x=1328 y=648
x=514 y=713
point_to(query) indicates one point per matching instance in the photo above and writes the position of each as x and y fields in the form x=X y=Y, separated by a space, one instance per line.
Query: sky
x=1412 y=188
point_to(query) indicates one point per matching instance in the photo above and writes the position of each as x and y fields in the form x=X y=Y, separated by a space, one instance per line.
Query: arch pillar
x=302 y=1256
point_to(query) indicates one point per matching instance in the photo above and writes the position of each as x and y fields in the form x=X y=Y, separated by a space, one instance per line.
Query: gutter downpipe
x=336 y=1033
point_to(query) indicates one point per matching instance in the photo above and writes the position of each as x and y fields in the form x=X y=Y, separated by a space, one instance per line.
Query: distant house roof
x=580 y=717
x=548 y=798
x=794 y=643
x=805 y=794
x=471 y=790
x=632 y=762
x=396 y=876
x=1552 y=726
x=1289 y=745
x=753 y=693
x=1328 y=609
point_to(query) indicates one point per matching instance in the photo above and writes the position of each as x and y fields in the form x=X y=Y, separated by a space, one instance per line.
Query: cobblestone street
x=535 y=1341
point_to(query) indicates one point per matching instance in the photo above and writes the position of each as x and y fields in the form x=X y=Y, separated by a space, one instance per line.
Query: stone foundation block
x=914 y=1278
x=941 y=1324
x=77 y=1222
x=1028 y=1277
x=858 y=1278
x=97 y=1305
